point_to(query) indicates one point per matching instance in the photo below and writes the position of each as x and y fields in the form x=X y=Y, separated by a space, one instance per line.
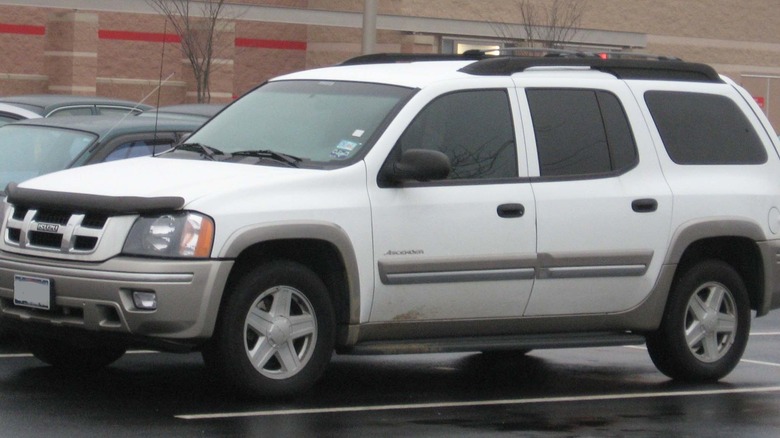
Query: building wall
x=118 y=50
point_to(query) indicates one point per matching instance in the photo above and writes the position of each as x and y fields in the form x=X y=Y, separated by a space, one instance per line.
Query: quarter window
x=699 y=128
x=580 y=132
x=473 y=128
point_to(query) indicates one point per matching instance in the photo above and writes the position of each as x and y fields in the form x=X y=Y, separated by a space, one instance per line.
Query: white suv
x=446 y=204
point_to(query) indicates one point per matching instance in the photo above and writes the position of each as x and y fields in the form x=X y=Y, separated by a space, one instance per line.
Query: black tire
x=505 y=355
x=283 y=310
x=73 y=357
x=705 y=326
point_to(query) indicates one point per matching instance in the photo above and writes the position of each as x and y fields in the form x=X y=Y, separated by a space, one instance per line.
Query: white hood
x=159 y=177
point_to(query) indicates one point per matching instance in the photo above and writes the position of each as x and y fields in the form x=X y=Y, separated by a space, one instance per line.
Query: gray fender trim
x=693 y=231
x=328 y=232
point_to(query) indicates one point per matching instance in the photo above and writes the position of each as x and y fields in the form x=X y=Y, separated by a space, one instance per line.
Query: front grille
x=45 y=240
x=19 y=213
x=54 y=230
x=85 y=243
x=92 y=220
x=52 y=217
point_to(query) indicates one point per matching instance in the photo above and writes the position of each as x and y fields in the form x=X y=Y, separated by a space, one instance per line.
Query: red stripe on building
x=124 y=35
x=22 y=29
x=270 y=44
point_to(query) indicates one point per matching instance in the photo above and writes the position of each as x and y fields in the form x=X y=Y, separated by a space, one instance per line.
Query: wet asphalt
x=600 y=392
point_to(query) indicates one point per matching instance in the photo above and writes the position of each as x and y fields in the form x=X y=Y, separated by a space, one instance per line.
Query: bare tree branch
x=198 y=31
x=544 y=26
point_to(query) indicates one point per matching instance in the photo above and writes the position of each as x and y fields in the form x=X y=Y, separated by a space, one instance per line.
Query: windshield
x=323 y=123
x=28 y=151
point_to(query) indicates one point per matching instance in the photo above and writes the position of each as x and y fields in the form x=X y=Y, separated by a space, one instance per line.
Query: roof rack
x=567 y=53
x=394 y=58
x=623 y=65
x=657 y=68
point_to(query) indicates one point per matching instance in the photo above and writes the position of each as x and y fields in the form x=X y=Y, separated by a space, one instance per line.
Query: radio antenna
x=159 y=85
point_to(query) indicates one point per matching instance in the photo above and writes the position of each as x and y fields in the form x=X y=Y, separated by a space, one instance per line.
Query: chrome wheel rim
x=280 y=332
x=711 y=322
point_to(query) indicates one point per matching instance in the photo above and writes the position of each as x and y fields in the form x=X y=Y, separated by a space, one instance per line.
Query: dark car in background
x=38 y=146
x=11 y=113
x=50 y=105
x=33 y=147
x=189 y=111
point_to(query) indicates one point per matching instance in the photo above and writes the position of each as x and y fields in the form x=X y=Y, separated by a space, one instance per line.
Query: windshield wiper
x=290 y=160
x=205 y=151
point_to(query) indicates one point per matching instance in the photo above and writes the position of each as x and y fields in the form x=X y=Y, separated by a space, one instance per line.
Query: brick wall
x=125 y=55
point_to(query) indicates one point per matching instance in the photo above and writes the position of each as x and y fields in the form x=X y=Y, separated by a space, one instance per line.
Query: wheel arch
x=324 y=248
x=733 y=241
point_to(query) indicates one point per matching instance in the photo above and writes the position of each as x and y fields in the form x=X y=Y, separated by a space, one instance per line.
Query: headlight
x=183 y=234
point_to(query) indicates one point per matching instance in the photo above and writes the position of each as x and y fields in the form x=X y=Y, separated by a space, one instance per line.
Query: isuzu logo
x=48 y=228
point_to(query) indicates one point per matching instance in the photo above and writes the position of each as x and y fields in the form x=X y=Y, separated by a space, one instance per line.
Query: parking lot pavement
x=612 y=391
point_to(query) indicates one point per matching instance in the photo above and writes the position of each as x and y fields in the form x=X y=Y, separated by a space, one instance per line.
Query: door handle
x=647 y=205
x=510 y=210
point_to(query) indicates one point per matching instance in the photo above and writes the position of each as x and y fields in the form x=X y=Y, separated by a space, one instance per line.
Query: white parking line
x=13 y=355
x=477 y=403
x=760 y=362
x=18 y=355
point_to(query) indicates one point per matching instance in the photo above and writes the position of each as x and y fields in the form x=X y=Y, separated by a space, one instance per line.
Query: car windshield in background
x=29 y=151
x=320 y=123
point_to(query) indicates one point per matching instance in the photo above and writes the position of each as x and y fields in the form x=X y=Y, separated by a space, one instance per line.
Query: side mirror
x=418 y=165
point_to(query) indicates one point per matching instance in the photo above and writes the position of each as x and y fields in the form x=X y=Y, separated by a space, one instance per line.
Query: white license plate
x=32 y=292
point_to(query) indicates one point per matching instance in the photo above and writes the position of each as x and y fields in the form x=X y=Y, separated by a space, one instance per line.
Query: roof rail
x=624 y=65
x=392 y=58
x=659 y=68
x=567 y=53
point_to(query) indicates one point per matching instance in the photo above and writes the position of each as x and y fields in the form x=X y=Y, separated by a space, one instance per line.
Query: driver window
x=473 y=128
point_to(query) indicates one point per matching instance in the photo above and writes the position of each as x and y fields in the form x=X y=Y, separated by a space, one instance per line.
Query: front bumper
x=98 y=296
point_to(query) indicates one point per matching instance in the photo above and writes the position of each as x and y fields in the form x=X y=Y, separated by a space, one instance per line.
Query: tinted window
x=473 y=128
x=115 y=110
x=72 y=111
x=139 y=148
x=580 y=132
x=699 y=128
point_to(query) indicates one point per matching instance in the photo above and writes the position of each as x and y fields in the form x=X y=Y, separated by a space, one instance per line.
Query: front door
x=462 y=248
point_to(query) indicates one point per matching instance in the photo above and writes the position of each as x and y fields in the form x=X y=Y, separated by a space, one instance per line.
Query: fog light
x=145 y=300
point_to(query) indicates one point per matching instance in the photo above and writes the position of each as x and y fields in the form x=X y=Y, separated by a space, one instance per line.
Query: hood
x=151 y=177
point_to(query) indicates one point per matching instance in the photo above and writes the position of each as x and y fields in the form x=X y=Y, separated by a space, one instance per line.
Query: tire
x=276 y=334
x=73 y=357
x=705 y=327
x=505 y=355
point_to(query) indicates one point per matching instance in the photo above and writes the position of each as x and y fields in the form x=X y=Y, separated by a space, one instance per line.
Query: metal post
x=369 y=27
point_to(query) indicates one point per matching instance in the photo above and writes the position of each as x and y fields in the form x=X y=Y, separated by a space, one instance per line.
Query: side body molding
x=251 y=235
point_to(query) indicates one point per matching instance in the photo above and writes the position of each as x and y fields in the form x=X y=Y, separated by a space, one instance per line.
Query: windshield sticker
x=358 y=133
x=344 y=149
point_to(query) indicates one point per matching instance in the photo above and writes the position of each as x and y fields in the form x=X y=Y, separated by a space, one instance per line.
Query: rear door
x=603 y=206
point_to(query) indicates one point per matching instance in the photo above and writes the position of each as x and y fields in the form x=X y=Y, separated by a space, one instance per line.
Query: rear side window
x=580 y=132
x=700 y=128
